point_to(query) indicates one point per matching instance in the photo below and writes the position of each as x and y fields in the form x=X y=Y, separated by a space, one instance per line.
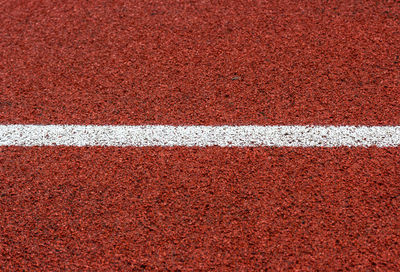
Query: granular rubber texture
x=200 y=62
x=227 y=209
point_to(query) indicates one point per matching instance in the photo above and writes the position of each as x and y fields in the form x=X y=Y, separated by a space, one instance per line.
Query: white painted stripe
x=233 y=136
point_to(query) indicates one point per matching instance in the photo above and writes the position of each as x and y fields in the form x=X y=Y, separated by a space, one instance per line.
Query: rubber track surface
x=227 y=209
x=199 y=63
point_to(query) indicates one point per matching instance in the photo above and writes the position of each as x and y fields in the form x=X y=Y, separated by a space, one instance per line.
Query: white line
x=225 y=136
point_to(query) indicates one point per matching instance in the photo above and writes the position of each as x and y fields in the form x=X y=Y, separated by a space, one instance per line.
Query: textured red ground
x=228 y=209
x=200 y=62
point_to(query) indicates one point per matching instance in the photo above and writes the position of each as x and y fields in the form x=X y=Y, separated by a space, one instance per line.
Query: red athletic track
x=227 y=209
x=200 y=62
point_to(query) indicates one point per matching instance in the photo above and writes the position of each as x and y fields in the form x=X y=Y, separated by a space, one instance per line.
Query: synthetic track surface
x=200 y=62
x=186 y=63
x=279 y=209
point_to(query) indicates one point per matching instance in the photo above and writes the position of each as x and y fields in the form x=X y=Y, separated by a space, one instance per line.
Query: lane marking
x=224 y=136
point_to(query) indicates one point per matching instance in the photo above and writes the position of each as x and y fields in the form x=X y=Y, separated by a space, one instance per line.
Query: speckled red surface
x=200 y=208
x=200 y=62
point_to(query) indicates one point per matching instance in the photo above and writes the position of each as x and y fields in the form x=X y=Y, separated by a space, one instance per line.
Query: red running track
x=224 y=209
x=200 y=62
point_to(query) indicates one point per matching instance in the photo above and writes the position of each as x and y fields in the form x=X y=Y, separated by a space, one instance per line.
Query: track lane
x=200 y=63
x=200 y=208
